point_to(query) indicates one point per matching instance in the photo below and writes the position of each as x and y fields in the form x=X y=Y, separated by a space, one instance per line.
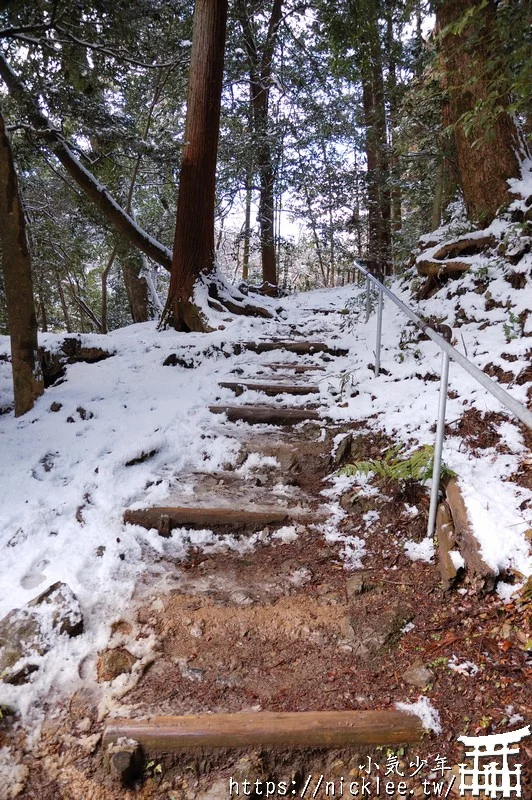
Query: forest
x=265 y=397
x=315 y=135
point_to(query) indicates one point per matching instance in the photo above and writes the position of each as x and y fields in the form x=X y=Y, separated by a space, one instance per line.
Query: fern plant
x=398 y=467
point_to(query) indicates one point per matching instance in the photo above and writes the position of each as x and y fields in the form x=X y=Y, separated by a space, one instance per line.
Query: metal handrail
x=448 y=351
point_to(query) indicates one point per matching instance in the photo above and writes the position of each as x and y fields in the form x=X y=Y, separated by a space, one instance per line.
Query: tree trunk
x=44 y=318
x=260 y=69
x=64 y=306
x=194 y=235
x=378 y=188
x=396 y=199
x=378 y=195
x=16 y=264
x=136 y=287
x=105 y=276
x=266 y=219
x=247 y=230
x=486 y=158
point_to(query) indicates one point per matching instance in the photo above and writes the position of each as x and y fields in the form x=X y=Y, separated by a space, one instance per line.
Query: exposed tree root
x=437 y=268
x=191 y=316
x=466 y=246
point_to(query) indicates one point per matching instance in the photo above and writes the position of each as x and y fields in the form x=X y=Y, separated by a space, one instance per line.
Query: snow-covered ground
x=63 y=475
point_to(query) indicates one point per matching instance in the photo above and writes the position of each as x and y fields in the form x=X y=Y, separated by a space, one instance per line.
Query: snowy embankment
x=64 y=475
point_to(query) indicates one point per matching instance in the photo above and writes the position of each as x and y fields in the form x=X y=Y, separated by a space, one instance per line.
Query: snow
x=65 y=484
x=507 y=591
x=255 y=463
x=420 y=551
x=424 y=709
x=523 y=185
x=287 y=534
x=13 y=775
x=465 y=668
x=457 y=559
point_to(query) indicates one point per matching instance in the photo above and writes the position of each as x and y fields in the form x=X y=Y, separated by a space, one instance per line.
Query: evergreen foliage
x=350 y=82
x=395 y=465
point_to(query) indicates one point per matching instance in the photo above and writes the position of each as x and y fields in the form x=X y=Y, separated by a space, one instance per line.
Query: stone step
x=266 y=415
x=271 y=389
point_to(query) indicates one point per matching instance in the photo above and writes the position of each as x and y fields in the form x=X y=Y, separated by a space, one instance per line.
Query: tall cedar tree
x=469 y=52
x=16 y=265
x=378 y=166
x=260 y=72
x=358 y=25
x=193 y=253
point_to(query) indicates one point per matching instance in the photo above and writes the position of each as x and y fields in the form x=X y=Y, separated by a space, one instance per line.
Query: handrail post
x=380 y=277
x=368 y=289
x=446 y=333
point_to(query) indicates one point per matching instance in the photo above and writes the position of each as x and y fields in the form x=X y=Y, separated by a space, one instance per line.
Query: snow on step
x=301 y=348
x=297 y=368
x=266 y=415
x=269 y=388
x=165 y=518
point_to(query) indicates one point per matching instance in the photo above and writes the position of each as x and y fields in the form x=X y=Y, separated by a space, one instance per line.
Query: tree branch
x=96 y=191
x=72 y=39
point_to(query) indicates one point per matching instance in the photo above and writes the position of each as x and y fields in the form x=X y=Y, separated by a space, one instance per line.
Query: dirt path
x=282 y=625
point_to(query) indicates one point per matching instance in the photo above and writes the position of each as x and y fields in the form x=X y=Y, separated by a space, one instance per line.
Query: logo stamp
x=495 y=777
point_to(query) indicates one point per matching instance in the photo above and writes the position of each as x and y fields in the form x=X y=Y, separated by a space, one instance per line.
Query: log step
x=446 y=543
x=270 y=389
x=301 y=348
x=466 y=540
x=265 y=415
x=298 y=368
x=165 y=518
x=292 y=729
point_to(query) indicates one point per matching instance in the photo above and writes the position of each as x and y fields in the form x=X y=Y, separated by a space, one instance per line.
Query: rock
x=343 y=451
x=62 y=603
x=355 y=584
x=418 y=675
x=114 y=662
x=374 y=634
x=122 y=628
x=70 y=351
x=56 y=406
x=29 y=632
x=173 y=360
x=20 y=638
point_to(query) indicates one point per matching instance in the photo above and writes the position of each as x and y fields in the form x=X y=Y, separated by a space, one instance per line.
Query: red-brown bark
x=260 y=70
x=194 y=236
x=16 y=264
x=486 y=158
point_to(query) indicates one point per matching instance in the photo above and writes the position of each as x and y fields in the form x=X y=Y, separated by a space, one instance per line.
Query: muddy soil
x=285 y=627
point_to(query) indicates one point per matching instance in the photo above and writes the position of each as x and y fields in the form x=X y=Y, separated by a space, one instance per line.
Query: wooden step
x=270 y=389
x=261 y=729
x=446 y=542
x=301 y=348
x=266 y=415
x=165 y=518
x=466 y=540
x=297 y=368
